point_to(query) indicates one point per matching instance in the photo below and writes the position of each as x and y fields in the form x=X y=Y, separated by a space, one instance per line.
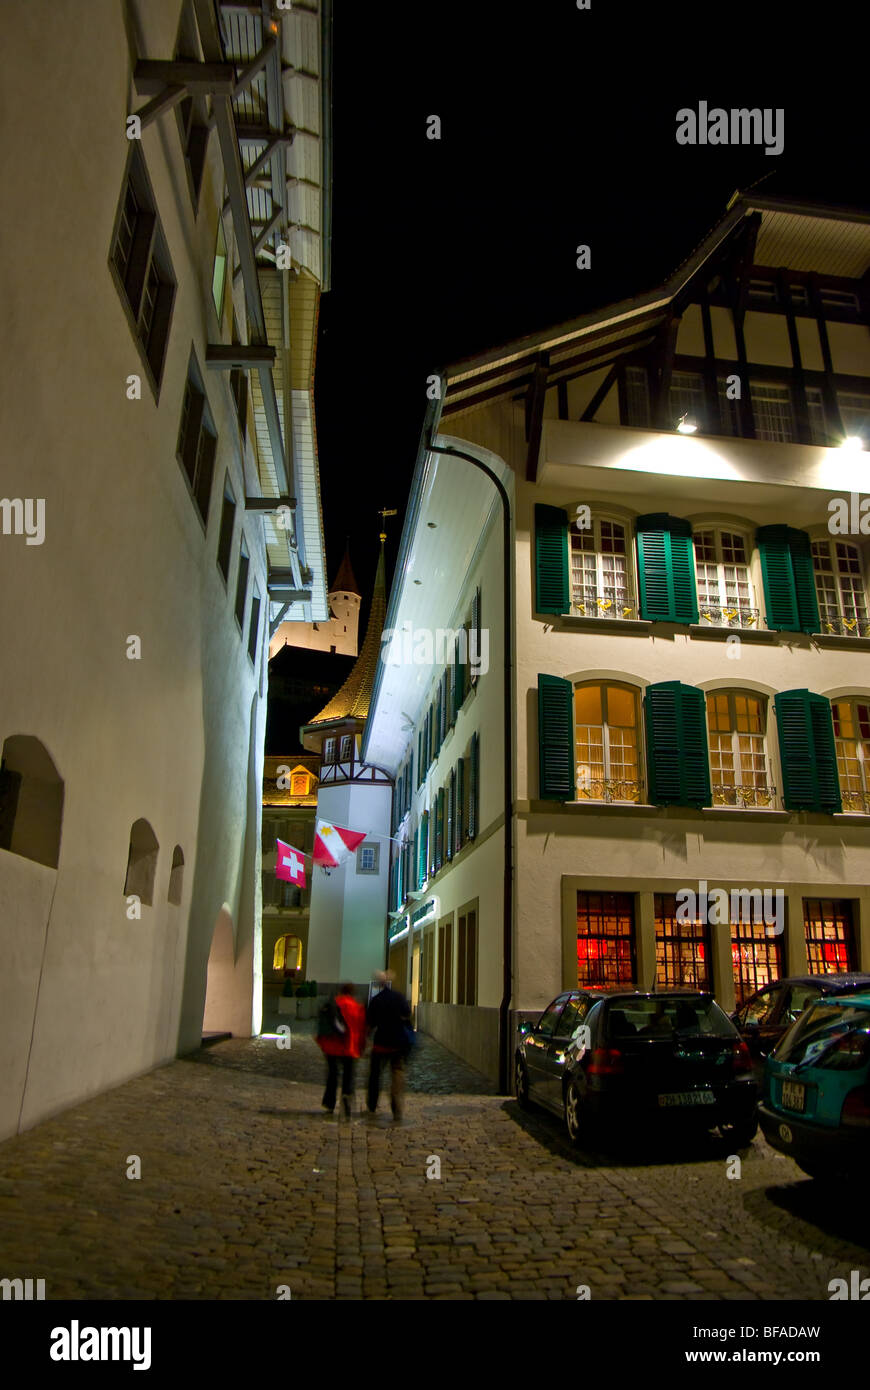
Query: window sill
x=721 y=634
x=829 y=639
x=852 y=817
x=571 y=622
x=747 y=812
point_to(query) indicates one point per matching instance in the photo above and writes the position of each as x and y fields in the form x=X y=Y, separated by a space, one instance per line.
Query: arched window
x=601 y=584
x=725 y=597
x=840 y=588
x=31 y=801
x=739 y=764
x=287 y=955
x=606 y=742
x=142 y=863
x=852 y=738
x=176 y=875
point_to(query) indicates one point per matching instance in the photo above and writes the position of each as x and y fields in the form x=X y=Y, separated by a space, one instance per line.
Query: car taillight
x=742 y=1057
x=856 y=1107
x=606 y=1061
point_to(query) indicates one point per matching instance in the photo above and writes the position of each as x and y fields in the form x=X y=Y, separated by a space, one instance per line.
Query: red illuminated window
x=756 y=958
x=605 y=940
x=829 y=935
x=682 y=948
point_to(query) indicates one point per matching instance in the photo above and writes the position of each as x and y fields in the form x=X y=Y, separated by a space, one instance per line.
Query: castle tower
x=348 y=904
x=341 y=633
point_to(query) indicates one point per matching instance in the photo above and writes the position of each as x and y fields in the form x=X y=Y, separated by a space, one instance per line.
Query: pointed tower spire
x=352 y=701
x=345 y=580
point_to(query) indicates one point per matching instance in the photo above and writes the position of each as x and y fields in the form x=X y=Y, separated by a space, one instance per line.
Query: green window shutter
x=807 y=752
x=416 y=859
x=678 y=763
x=551 y=560
x=439 y=829
x=436 y=739
x=458 y=680
x=422 y=866
x=804 y=580
x=474 y=787
x=459 y=835
x=420 y=758
x=451 y=816
x=780 y=597
x=555 y=739
x=666 y=569
x=474 y=638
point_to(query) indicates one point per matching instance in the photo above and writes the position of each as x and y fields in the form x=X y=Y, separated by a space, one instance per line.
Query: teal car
x=816 y=1105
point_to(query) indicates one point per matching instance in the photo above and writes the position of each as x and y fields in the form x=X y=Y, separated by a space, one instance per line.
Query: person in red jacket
x=341 y=1038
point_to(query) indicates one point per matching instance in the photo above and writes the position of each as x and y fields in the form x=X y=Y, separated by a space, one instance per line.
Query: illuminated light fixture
x=852 y=441
x=686 y=425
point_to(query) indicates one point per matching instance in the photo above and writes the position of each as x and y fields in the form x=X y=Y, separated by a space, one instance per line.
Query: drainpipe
x=504 y=1057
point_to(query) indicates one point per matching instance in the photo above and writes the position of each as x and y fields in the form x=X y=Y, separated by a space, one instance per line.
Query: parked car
x=764 y=1019
x=605 y=1061
x=816 y=1105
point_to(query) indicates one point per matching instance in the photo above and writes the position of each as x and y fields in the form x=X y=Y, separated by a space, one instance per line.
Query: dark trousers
x=397 y=1063
x=347 y=1070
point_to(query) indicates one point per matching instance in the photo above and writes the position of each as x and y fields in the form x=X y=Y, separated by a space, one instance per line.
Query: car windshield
x=686 y=1016
x=821 y=1027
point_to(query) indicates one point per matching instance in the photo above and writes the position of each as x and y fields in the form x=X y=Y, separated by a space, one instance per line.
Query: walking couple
x=341 y=1036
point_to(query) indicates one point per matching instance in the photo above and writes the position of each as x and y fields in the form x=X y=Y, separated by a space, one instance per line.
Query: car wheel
x=742 y=1134
x=522 y=1085
x=574 y=1121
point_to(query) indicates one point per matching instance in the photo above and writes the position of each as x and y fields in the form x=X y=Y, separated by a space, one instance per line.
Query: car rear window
x=815 y=1030
x=689 y=1016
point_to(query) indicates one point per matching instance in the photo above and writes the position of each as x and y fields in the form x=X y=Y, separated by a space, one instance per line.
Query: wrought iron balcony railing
x=729 y=615
x=836 y=625
x=762 y=798
x=603 y=603
x=608 y=789
x=857 y=803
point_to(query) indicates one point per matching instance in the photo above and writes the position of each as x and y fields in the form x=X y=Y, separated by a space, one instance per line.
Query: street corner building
x=629 y=663
x=159 y=435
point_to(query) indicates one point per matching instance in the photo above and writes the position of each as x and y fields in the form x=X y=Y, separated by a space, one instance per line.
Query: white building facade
x=688 y=644
x=158 y=422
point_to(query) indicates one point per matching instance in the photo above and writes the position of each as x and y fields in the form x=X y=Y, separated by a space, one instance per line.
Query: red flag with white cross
x=290 y=864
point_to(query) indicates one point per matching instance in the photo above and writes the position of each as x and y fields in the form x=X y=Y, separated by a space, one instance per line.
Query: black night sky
x=558 y=128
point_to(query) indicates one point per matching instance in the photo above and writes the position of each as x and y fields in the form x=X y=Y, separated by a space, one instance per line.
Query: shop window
x=445 y=961
x=682 y=948
x=756 y=958
x=466 y=956
x=605 y=941
x=830 y=936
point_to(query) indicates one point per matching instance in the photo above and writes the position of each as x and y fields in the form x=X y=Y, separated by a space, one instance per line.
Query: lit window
x=855 y=414
x=329 y=750
x=605 y=941
x=722 y=573
x=736 y=724
x=756 y=957
x=605 y=735
x=830 y=939
x=682 y=948
x=687 y=397
x=852 y=738
x=299 y=784
x=346 y=747
x=772 y=413
x=599 y=571
x=840 y=588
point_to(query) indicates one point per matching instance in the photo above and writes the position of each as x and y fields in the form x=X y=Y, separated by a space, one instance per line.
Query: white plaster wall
x=168 y=737
x=347 y=937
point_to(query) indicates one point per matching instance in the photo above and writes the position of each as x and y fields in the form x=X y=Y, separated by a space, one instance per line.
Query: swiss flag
x=333 y=844
x=290 y=864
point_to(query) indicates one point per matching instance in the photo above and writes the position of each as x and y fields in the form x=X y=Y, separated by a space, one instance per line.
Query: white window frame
x=851 y=619
x=608 y=780
x=603 y=604
x=725 y=612
x=746 y=791
x=861 y=796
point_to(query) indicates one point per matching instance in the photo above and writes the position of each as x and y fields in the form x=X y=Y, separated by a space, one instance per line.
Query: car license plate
x=688 y=1098
x=794 y=1095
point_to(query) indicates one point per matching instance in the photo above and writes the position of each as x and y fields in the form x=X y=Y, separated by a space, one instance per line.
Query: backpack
x=330 y=1021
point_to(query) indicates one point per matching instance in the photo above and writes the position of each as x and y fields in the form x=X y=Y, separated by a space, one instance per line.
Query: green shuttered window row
x=677 y=753
x=666 y=570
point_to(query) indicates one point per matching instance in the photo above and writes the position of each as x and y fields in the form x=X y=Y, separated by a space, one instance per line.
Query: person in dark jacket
x=388 y=1019
x=345 y=1047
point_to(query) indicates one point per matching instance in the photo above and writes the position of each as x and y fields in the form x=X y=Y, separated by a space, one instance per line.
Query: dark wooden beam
x=663 y=358
x=535 y=414
x=562 y=395
x=168 y=98
x=799 y=386
x=269 y=504
x=711 y=380
x=223 y=358
x=609 y=351
x=262 y=160
x=829 y=391
x=255 y=66
x=601 y=392
x=151 y=76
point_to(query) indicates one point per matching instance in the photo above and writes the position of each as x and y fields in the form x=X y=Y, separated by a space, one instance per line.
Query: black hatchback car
x=604 y=1062
x=763 y=1019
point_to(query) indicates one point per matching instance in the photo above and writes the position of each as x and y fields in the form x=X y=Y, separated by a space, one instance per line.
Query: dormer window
x=329 y=750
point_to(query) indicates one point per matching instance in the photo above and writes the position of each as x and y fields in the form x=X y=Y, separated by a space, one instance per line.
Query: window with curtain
x=725 y=594
x=852 y=740
x=737 y=734
x=600 y=581
x=840 y=590
x=606 y=743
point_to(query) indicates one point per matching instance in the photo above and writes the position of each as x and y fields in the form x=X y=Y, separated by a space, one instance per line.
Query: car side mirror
x=525 y=1027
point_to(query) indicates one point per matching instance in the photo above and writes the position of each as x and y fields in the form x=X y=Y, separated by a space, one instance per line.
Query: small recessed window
x=367 y=859
x=225 y=539
x=197 y=439
x=254 y=630
x=242 y=583
x=346 y=747
x=141 y=267
x=219 y=271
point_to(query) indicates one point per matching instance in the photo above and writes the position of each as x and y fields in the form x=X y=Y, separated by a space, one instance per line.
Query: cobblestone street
x=247 y=1186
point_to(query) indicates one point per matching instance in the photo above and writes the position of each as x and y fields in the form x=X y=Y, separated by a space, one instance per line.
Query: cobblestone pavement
x=247 y=1186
